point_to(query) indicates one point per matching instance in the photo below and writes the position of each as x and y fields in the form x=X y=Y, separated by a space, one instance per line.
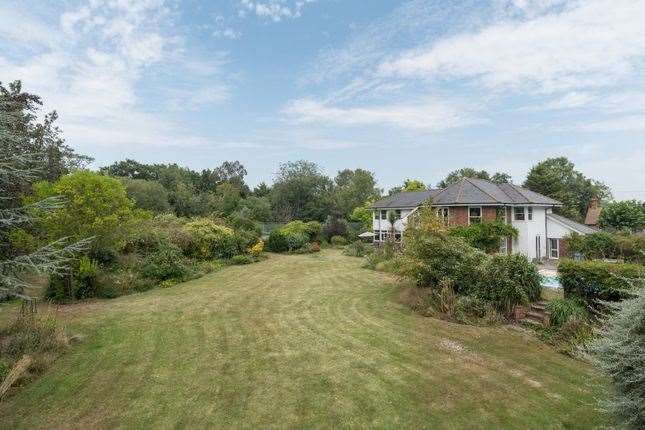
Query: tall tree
x=408 y=186
x=558 y=179
x=468 y=172
x=353 y=189
x=18 y=170
x=52 y=157
x=624 y=215
x=301 y=191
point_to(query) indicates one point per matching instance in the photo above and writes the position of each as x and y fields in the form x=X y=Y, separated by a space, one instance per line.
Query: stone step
x=538 y=307
x=536 y=316
x=541 y=302
x=531 y=323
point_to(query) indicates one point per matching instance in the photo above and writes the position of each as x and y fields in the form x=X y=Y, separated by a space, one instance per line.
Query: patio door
x=554 y=248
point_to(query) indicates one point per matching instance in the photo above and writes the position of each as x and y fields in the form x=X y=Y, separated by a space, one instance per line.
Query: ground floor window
x=474 y=215
x=443 y=214
x=554 y=248
x=377 y=235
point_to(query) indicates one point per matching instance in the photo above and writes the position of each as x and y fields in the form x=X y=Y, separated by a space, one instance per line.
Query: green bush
x=241 y=259
x=485 y=236
x=211 y=239
x=338 y=241
x=357 y=249
x=379 y=255
x=435 y=256
x=314 y=230
x=620 y=355
x=508 y=280
x=596 y=281
x=562 y=310
x=166 y=263
x=86 y=278
x=621 y=245
x=277 y=241
x=296 y=240
x=245 y=239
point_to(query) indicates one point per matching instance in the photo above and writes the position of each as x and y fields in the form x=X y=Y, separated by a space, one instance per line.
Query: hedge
x=595 y=281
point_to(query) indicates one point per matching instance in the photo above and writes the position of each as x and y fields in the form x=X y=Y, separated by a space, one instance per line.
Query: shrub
x=356 y=249
x=334 y=226
x=241 y=259
x=620 y=354
x=313 y=230
x=435 y=256
x=165 y=264
x=211 y=239
x=379 y=255
x=37 y=335
x=595 y=281
x=338 y=241
x=296 y=240
x=257 y=249
x=277 y=241
x=245 y=239
x=509 y=280
x=86 y=284
x=562 y=310
x=485 y=236
x=469 y=309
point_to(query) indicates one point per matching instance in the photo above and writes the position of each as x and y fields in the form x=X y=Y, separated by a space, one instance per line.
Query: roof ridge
x=483 y=190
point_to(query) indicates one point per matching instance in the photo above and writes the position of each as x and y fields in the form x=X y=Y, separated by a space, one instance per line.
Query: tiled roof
x=580 y=228
x=410 y=199
x=468 y=191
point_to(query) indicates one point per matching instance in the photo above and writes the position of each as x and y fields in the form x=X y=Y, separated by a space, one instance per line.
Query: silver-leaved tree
x=18 y=169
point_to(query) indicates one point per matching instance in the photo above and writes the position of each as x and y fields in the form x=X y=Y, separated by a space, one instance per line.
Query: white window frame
x=383 y=214
x=476 y=217
x=515 y=213
x=397 y=214
x=529 y=213
x=377 y=214
x=377 y=235
x=384 y=235
x=444 y=214
x=553 y=256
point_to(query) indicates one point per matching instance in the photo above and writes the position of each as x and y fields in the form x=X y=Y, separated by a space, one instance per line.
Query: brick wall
x=459 y=215
x=489 y=213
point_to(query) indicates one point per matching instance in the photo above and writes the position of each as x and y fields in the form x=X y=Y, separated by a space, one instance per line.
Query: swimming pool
x=551 y=281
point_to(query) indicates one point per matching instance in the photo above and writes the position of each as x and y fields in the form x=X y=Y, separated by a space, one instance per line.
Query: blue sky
x=402 y=88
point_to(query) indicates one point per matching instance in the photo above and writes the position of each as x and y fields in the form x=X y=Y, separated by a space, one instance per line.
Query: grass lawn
x=297 y=341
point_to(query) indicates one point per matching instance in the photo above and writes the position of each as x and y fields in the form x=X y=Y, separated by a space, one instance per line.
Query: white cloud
x=275 y=10
x=95 y=75
x=587 y=43
x=427 y=116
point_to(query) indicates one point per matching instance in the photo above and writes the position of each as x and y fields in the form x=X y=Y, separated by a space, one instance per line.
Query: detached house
x=476 y=200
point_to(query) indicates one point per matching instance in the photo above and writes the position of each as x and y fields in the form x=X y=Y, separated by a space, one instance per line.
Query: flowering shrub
x=257 y=249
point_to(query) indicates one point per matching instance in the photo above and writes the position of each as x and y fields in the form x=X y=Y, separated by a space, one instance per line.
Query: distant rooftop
x=468 y=191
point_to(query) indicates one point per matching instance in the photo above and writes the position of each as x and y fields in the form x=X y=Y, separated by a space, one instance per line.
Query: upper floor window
x=376 y=214
x=397 y=214
x=518 y=213
x=530 y=213
x=383 y=214
x=474 y=215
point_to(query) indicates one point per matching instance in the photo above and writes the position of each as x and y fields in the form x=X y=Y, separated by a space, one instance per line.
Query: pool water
x=550 y=281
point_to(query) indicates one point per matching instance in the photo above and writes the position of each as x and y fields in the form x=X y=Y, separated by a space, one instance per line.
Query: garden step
x=538 y=307
x=536 y=316
x=531 y=322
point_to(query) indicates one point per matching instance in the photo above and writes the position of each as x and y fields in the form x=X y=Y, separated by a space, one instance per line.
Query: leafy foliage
x=468 y=172
x=562 y=310
x=597 y=281
x=148 y=195
x=508 y=280
x=211 y=240
x=624 y=215
x=96 y=206
x=485 y=236
x=558 y=179
x=620 y=354
x=166 y=263
x=353 y=188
